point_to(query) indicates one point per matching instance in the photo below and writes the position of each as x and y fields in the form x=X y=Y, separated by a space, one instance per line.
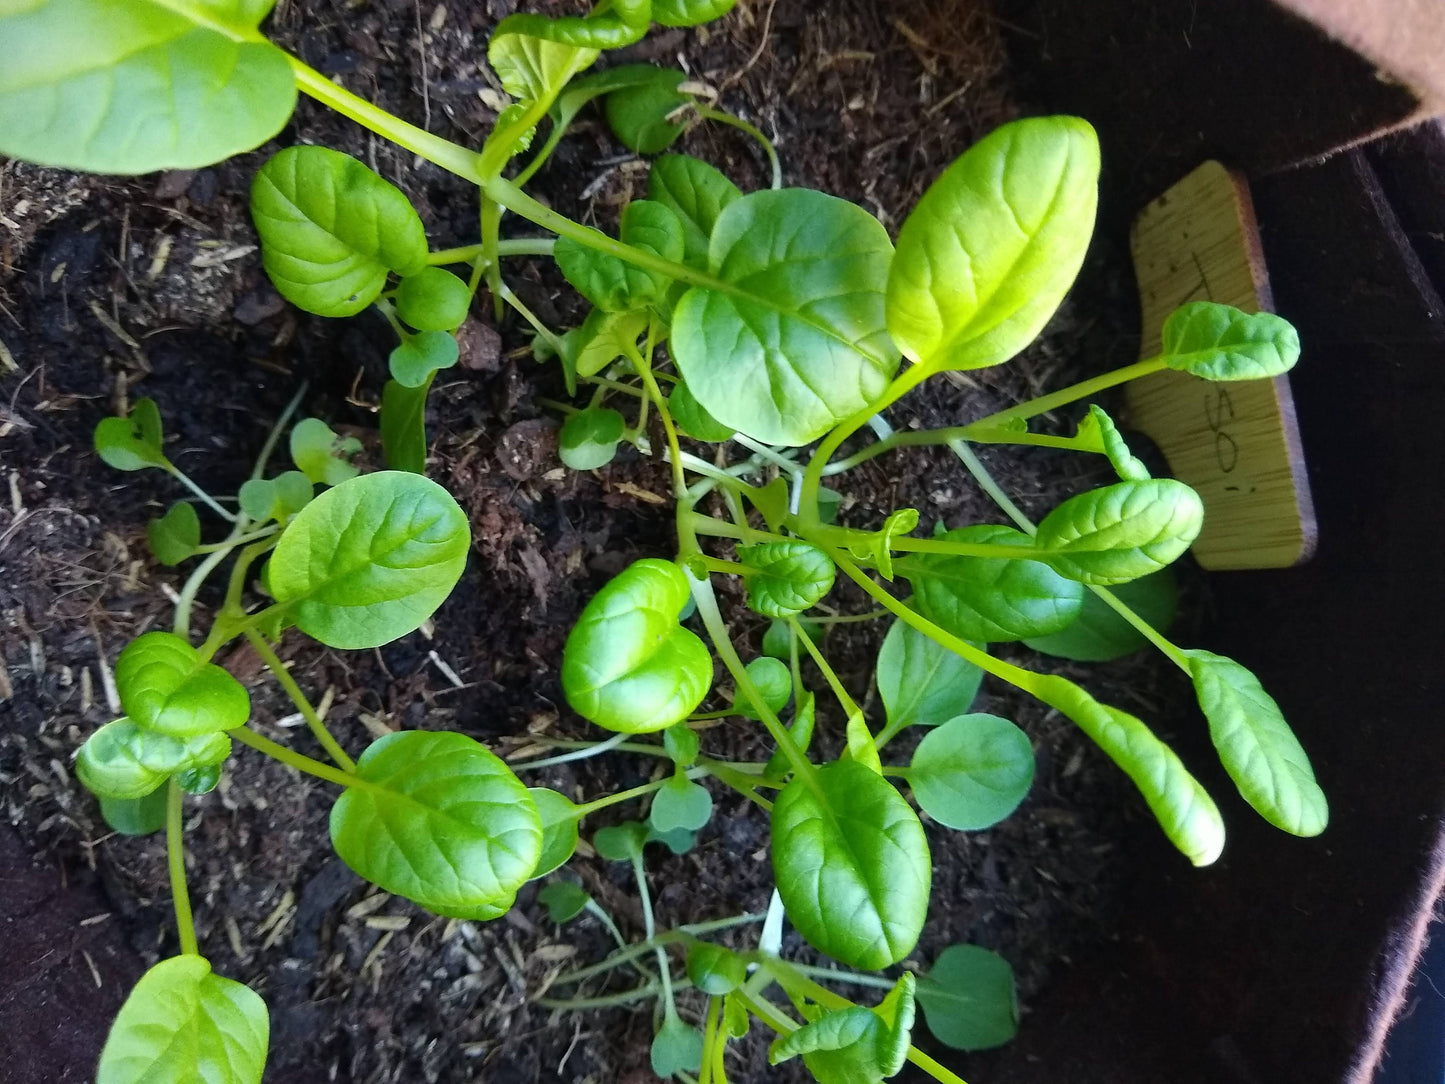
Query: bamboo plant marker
x=1236 y=443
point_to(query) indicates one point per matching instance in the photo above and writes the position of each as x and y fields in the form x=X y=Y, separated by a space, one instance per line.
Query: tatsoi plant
x=763 y=322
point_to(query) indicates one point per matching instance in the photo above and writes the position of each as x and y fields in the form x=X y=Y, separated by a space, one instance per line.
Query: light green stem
x=176 y=867
x=1074 y=392
x=300 y=761
x=204 y=497
x=749 y=129
x=313 y=720
x=519 y=246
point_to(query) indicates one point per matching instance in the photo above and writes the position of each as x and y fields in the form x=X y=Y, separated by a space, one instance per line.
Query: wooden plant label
x=1236 y=443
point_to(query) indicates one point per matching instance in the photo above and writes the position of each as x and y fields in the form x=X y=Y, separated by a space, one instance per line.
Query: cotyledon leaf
x=183 y=1024
x=791 y=340
x=370 y=560
x=439 y=819
x=1257 y=746
x=132 y=86
x=972 y=772
x=994 y=244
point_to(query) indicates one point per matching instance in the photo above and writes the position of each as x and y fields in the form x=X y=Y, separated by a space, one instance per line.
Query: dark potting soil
x=115 y=289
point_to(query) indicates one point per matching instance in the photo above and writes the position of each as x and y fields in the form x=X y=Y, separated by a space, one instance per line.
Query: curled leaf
x=786 y=578
x=1220 y=342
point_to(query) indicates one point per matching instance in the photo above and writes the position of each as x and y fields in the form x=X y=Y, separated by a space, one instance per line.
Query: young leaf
x=277 y=498
x=802 y=731
x=609 y=282
x=589 y=438
x=715 y=970
x=1257 y=746
x=972 y=772
x=627 y=664
x=564 y=901
x=1126 y=465
x=621 y=842
x=854 y=1045
x=1182 y=807
x=852 y=865
x=433 y=300
x=532 y=68
x=991 y=599
x=680 y=804
x=682 y=744
x=331 y=229
x=787 y=577
x=877 y=547
x=1121 y=532
x=165 y=685
x=133 y=442
x=992 y=247
x=136 y=816
x=420 y=357
x=796 y=342
x=921 y=682
x=125 y=760
x=138 y=87
x=181 y=1024
x=676 y=840
x=689 y=12
x=200 y=780
x=676 y=1048
x=860 y=745
x=369 y=561
x=602 y=339
x=174 y=536
x=638 y=115
x=403 y=426
x=1100 y=634
x=693 y=420
x=697 y=193
x=559 y=829
x=773 y=680
x=968 y=998
x=439 y=819
x=322 y=455
x=1220 y=342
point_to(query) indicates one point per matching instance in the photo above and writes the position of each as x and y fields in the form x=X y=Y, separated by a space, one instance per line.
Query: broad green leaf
x=165 y=685
x=1182 y=807
x=532 y=68
x=627 y=664
x=792 y=340
x=854 y=1045
x=991 y=599
x=612 y=284
x=786 y=578
x=689 y=12
x=922 y=683
x=589 y=438
x=559 y=829
x=126 y=760
x=369 y=561
x=638 y=115
x=174 y=536
x=433 y=299
x=972 y=772
x=1121 y=532
x=621 y=842
x=698 y=194
x=680 y=804
x=278 y=498
x=1128 y=466
x=564 y=900
x=403 y=426
x=773 y=680
x=968 y=998
x=133 y=86
x=676 y=1048
x=715 y=970
x=420 y=357
x=1099 y=634
x=141 y=816
x=994 y=244
x=852 y=865
x=331 y=229
x=1257 y=746
x=320 y=454
x=1220 y=342
x=183 y=1024
x=693 y=420
x=602 y=339
x=439 y=819
x=201 y=780
x=133 y=442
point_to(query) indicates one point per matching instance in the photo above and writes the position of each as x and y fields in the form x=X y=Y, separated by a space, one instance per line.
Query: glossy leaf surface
x=922 y=683
x=612 y=284
x=125 y=760
x=433 y=299
x=787 y=577
x=968 y=998
x=1220 y=342
x=133 y=442
x=698 y=194
x=693 y=420
x=854 y=1045
x=440 y=820
x=183 y=1024
x=628 y=665
x=1121 y=532
x=589 y=438
x=794 y=339
x=972 y=772
x=164 y=685
x=133 y=86
x=403 y=426
x=1128 y=466
x=852 y=865
x=369 y=561
x=415 y=361
x=602 y=339
x=331 y=229
x=773 y=680
x=141 y=816
x=1099 y=634
x=689 y=12
x=994 y=244
x=559 y=829
x=715 y=970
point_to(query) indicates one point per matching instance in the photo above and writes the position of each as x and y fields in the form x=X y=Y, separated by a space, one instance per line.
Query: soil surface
x=115 y=289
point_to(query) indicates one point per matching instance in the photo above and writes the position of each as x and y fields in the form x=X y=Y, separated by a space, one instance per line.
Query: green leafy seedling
x=639 y=115
x=175 y=536
x=422 y=356
x=968 y=998
x=321 y=455
x=433 y=299
x=588 y=439
x=972 y=772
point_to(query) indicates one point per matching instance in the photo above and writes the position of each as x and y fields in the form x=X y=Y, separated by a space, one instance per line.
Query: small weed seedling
x=764 y=322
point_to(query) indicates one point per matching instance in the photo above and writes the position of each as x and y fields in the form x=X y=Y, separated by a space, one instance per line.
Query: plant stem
x=591 y=750
x=204 y=497
x=844 y=700
x=624 y=796
x=176 y=867
x=667 y=937
x=231 y=543
x=743 y=126
x=1074 y=392
x=287 y=412
x=187 y=598
x=912 y=438
x=644 y=370
x=517 y=246
x=575 y=1004
x=989 y=485
x=504 y=292
x=299 y=761
x=313 y=720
